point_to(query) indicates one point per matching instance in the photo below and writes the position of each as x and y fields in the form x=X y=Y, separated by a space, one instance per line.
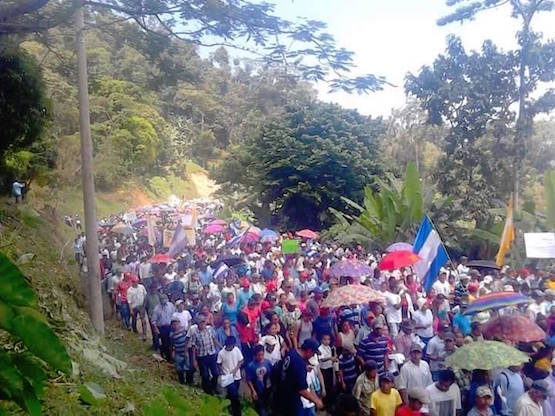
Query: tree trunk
x=87 y=173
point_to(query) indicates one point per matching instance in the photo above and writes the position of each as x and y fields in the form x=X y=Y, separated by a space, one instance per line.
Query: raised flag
x=238 y=238
x=179 y=241
x=221 y=271
x=431 y=250
x=508 y=235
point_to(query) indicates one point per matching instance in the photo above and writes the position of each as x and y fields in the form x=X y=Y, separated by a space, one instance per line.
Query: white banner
x=540 y=245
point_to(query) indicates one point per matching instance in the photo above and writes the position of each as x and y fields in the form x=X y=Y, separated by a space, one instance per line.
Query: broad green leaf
x=14 y=290
x=32 y=370
x=30 y=326
x=92 y=393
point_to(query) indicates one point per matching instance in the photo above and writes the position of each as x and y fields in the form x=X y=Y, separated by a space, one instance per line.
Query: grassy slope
x=36 y=228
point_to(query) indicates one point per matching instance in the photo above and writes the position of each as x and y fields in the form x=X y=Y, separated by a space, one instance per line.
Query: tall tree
x=536 y=64
x=302 y=163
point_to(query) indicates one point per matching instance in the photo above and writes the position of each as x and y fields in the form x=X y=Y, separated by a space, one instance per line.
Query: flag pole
x=441 y=238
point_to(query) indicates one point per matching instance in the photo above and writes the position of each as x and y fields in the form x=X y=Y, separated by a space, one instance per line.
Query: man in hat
x=161 y=323
x=417 y=397
x=366 y=384
x=530 y=403
x=291 y=383
x=178 y=342
x=182 y=314
x=482 y=403
x=386 y=400
x=414 y=373
x=374 y=347
x=405 y=339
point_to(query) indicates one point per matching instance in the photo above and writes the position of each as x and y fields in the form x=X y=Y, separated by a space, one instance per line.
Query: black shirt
x=291 y=379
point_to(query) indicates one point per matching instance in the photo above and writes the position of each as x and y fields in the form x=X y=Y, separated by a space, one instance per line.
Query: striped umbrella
x=352 y=295
x=496 y=300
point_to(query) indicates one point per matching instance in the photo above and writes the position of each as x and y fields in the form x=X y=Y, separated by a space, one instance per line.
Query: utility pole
x=87 y=171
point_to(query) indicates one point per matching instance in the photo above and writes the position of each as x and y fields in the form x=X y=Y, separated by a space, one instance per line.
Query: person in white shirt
x=170 y=274
x=445 y=395
x=530 y=403
x=462 y=268
x=414 y=373
x=441 y=285
x=136 y=296
x=230 y=360
x=423 y=321
x=145 y=269
x=393 y=311
x=182 y=314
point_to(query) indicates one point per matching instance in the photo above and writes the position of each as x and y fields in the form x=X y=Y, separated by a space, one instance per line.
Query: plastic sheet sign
x=289 y=246
x=540 y=245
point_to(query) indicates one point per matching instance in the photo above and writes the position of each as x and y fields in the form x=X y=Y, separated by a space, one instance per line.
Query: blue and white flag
x=237 y=239
x=179 y=241
x=221 y=271
x=235 y=227
x=431 y=250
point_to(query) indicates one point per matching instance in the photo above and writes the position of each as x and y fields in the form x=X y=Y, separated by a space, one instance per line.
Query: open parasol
x=496 y=300
x=267 y=235
x=513 y=328
x=399 y=246
x=398 y=259
x=352 y=295
x=351 y=268
x=308 y=234
x=217 y=222
x=213 y=229
x=122 y=228
x=486 y=355
x=160 y=258
x=482 y=264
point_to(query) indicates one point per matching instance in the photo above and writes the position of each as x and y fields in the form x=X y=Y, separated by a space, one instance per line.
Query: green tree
x=535 y=64
x=302 y=162
x=24 y=109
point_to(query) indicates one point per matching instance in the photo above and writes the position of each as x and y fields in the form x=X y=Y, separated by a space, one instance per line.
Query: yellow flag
x=508 y=235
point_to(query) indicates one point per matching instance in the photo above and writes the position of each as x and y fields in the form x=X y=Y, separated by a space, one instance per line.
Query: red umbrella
x=308 y=234
x=160 y=258
x=513 y=328
x=398 y=259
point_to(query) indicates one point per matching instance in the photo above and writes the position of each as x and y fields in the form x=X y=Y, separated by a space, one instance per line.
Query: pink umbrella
x=250 y=237
x=217 y=222
x=213 y=229
x=308 y=234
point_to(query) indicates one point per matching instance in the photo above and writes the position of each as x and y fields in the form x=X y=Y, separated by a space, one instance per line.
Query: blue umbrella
x=268 y=235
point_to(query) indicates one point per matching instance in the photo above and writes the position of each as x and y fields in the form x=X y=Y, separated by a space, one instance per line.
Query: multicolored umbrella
x=513 y=328
x=213 y=229
x=351 y=268
x=308 y=234
x=268 y=236
x=486 y=355
x=122 y=228
x=398 y=259
x=399 y=246
x=250 y=237
x=352 y=295
x=160 y=258
x=496 y=300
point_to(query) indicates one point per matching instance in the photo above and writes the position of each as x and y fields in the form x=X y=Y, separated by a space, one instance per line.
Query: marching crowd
x=252 y=321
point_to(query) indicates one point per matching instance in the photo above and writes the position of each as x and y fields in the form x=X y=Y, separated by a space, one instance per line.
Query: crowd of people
x=252 y=322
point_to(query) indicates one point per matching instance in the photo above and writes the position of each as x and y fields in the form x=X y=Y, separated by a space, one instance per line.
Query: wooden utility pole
x=87 y=172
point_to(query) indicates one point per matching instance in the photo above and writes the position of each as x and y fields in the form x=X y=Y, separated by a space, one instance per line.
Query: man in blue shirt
x=205 y=274
x=291 y=381
x=258 y=379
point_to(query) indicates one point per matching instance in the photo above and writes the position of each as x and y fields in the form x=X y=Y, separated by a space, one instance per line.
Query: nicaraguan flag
x=431 y=250
x=221 y=271
x=237 y=239
x=179 y=241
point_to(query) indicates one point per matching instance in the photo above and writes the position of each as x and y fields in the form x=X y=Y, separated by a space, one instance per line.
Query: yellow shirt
x=385 y=404
x=551 y=284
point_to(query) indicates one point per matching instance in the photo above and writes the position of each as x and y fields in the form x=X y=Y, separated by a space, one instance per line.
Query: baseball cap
x=484 y=391
x=175 y=319
x=245 y=282
x=270 y=340
x=541 y=385
x=377 y=324
x=178 y=302
x=420 y=394
x=415 y=347
x=386 y=377
x=313 y=361
x=310 y=344
x=164 y=297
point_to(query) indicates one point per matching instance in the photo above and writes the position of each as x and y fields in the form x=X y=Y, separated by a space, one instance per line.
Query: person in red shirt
x=418 y=397
x=247 y=328
x=121 y=299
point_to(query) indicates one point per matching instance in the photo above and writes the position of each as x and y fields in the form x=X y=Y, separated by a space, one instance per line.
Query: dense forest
x=279 y=154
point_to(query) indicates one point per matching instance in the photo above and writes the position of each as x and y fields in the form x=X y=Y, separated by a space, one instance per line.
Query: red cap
x=244 y=282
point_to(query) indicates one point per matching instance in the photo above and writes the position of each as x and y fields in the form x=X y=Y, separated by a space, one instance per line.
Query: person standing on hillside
x=205 y=350
x=136 y=296
x=17 y=191
x=161 y=321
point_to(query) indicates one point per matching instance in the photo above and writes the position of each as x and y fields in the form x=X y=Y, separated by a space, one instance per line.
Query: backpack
x=497 y=400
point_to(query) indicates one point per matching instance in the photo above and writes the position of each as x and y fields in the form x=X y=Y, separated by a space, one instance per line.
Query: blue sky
x=393 y=37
